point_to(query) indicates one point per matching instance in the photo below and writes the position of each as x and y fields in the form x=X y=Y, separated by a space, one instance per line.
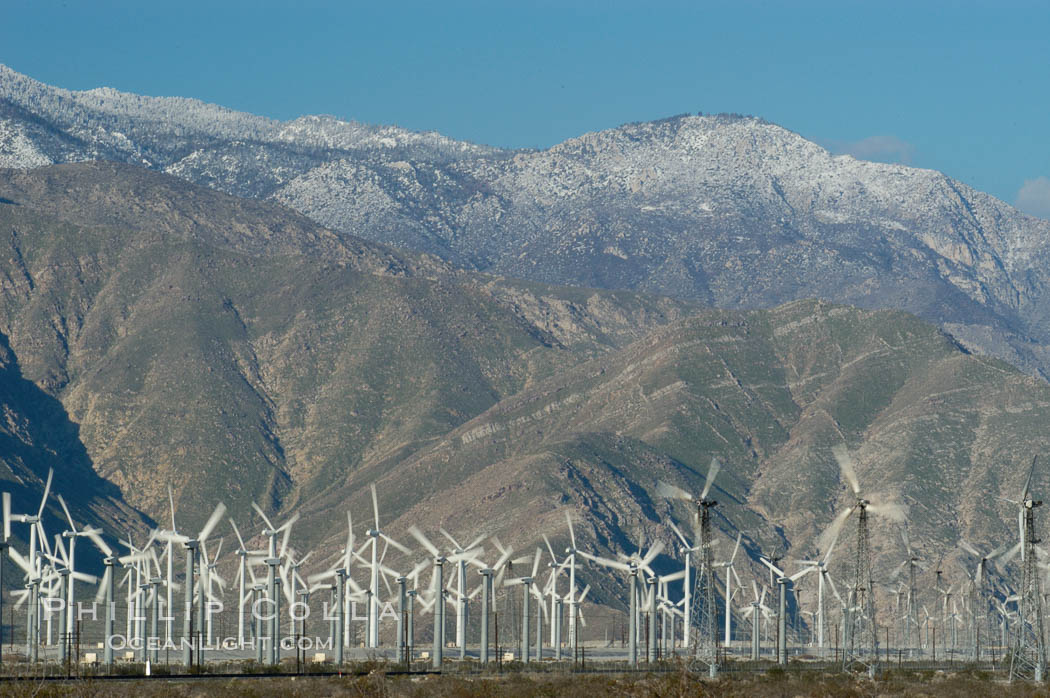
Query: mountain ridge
x=726 y=210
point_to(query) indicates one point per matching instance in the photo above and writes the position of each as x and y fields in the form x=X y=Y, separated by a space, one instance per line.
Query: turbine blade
x=1028 y=482
x=238 y=533
x=216 y=516
x=285 y=536
x=455 y=543
x=669 y=491
x=678 y=533
x=375 y=503
x=846 y=466
x=712 y=472
x=735 y=548
x=423 y=540
x=19 y=560
x=264 y=517
x=1010 y=554
x=47 y=491
x=768 y=563
x=554 y=558
x=100 y=595
x=72 y=526
x=7 y=515
x=606 y=562
x=395 y=544
x=831 y=534
x=171 y=506
x=572 y=534
x=657 y=548
x=892 y=511
x=94 y=537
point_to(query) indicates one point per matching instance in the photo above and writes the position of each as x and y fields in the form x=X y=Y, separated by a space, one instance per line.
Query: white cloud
x=877 y=148
x=1034 y=197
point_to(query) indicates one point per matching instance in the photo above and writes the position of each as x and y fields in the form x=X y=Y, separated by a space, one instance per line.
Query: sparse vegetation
x=527 y=685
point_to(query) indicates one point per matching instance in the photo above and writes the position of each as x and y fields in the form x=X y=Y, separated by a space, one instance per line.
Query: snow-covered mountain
x=733 y=211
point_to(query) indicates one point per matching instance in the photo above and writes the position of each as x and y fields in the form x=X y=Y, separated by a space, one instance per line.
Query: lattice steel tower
x=705 y=613
x=861 y=648
x=1028 y=660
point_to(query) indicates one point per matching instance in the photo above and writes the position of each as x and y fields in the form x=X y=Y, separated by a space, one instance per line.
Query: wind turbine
x=192 y=546
x=704 y=613
x=574 y=603
x=687 y=550
x=64 y=563
x=273 y=561
x=979 y=602
x=783 y=579
x=438 y=587
x=243 y=594
x=861 y=638
x=32 y=618
x=526 y=588
x=339 y=590
x=1029 y=655
x=730 y=574
x=461 y=555
x=72 y=534
x=632 y=565
x=754 y=609
x=911 y=615
x=823 y=578
x=550 y=590
x=292 y=582
x=105 y=594
x=375 y=534
x=209 y=575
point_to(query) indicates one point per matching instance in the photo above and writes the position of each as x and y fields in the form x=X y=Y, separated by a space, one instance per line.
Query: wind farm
x=473 y=604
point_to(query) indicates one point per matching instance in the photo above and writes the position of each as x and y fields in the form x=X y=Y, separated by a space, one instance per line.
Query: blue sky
x=962 y=87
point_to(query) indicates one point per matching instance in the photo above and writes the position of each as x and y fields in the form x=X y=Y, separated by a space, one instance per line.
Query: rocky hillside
x=239 y=351
x=225 y=345
x=728 y=211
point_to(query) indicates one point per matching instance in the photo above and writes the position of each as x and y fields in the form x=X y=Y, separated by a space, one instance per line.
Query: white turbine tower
x=783 y=580
x=526 y=590
x=460 y=555
x=755 y=608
